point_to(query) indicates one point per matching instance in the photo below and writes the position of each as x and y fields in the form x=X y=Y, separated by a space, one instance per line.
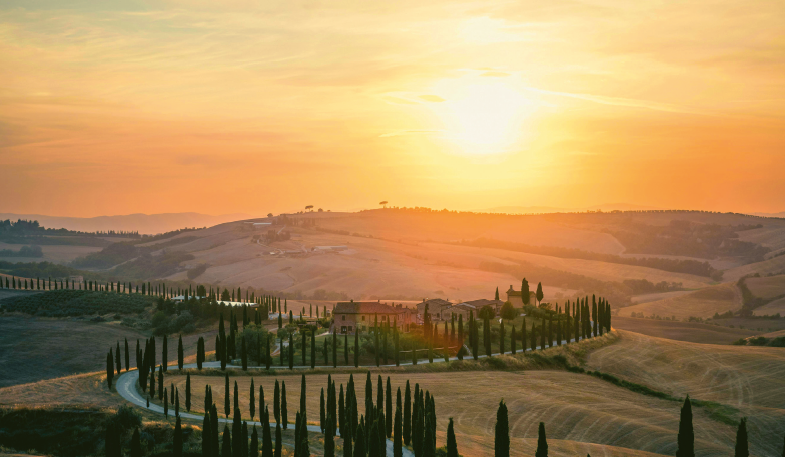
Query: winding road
x=126 y=387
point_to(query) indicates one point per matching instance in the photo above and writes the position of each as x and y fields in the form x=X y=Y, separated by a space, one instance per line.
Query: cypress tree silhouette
x=180 y=354
x=452 y=444
x=398 y=428
x=302 y=395
x=278 y=441
x=136 y=445
x=502 y=437
x=686 y=437
x=388 y=409
x=284 y=419
x=188 y=392
x=742 y=448
x=542 y=442
x=252 y=400
x=539 y=293
x=254 y=449
x=227 y=397
x=226 y=443
x=277 y=402
x=177 y=445
x=407 y=415
x=322 y=417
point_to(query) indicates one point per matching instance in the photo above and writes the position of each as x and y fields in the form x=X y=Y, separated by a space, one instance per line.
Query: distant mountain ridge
x=147 y=224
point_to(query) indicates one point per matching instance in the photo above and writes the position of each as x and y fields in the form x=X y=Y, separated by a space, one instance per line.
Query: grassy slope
x=32 y=349
x=682 y=331
x=751 y=379
x=701 y=303
x=767 y=287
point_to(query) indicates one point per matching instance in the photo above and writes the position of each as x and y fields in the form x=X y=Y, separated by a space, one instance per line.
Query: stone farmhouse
x=438 y=309
x=350 y=316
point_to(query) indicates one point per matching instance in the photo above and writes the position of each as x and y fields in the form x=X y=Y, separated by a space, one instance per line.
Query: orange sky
x=256 y=107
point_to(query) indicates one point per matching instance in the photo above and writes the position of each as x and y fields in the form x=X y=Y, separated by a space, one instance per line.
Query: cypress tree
x=313 y=350
x=177 y=446
x=166 y=404
x=502 y=437
x=278 y=441
x=109 y=369
x=277 y=403
x=501 y=337
x=388 y=410
x=452 y=443
x=512 y=340
x=136 y=444
x=188 y=392
x=227 y=397
x=254 y=450
x=341 y=415
x=397 y=339
x=267 y=439
x=379 y=394
x=164 y=355
x=252 y=400
x=542 y=442
x=268 y=359
x=356 y=347
x=284 y=419
x=345 y=348
x=262 y=406
x=359 y=442
x=118 y=361
x=244 y=354
x=214 y=441
x=322 y=417
x=335 y=350
x=742 y=448
x=303 y=344
x=302 y=395
x=237 y=443
x=127 y=356
x=161 y=384
x=686 y=437
x=226 y=443
x=329 y=440
x=290 y=351
x=180 y=353
x=398 y=427
x=407 y=415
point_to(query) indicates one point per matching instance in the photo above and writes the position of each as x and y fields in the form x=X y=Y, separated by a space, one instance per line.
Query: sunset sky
x=118 y=107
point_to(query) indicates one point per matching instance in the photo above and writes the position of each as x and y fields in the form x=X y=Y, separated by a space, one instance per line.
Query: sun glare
x=484 y=117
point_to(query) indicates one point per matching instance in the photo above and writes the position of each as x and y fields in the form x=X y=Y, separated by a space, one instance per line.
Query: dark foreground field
x=691 y=332
x=32 y=348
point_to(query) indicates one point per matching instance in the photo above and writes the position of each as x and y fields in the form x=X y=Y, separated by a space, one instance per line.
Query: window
x=363 y=317
x=343 y=329
x=384 y=318
x=350 y=328
x=343 y=317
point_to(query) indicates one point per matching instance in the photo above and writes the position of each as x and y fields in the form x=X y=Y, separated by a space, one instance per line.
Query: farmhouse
x=514 y=297
x=351 y=316
x=438 y=309
x=475 y=306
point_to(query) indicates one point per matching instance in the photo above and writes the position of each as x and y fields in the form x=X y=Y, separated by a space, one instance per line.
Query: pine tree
x=542 y=442
x=502 y=439
x=497 y=293
x=742 y=448
x=686 y=437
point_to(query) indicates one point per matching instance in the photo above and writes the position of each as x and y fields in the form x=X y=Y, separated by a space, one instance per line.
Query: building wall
x=365 y=322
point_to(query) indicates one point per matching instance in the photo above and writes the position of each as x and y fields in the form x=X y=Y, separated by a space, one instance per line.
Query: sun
x=485 y=116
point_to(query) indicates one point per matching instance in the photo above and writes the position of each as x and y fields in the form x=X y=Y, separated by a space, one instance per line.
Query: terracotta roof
x=366 y=307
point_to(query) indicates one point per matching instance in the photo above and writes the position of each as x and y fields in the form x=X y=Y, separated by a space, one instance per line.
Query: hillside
x=700 y=303
x=411 y=254
x=747 y=378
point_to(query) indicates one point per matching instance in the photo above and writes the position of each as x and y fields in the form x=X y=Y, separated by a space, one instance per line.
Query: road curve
x=126 y=387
